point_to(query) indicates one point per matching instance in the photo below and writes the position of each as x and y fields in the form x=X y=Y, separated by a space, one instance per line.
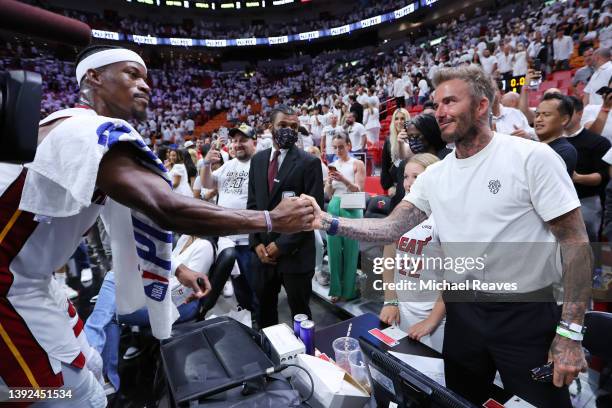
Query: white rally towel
x=66 y=169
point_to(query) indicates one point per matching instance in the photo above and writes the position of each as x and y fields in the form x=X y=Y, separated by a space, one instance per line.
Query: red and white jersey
x=413 y=250
x=36 y=320
x=39 y=328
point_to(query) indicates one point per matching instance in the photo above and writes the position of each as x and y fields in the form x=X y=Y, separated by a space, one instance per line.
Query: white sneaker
x=322 y=278
x=86 y=275
x=228 y=289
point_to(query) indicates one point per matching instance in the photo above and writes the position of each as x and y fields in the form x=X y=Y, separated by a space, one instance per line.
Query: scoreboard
x=513 y=85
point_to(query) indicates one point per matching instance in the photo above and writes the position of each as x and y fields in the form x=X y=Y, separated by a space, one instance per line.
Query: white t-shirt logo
x=494 y=186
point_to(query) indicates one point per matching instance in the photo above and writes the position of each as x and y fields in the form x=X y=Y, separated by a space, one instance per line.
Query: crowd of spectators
x=504 y=42
x=213 y=28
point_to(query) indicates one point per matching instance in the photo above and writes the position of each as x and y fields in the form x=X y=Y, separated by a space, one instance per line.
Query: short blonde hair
x=424 y=159
x=479 y=82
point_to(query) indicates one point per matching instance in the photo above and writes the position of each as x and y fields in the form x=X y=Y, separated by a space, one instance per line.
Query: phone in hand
x=535 y=83
x=543 y=373
x=332 y=168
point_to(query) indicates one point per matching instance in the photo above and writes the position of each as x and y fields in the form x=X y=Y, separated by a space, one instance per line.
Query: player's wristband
x=393 y=302
x=206 y=163
x=333 y=227
x=562 y=331
x=268 y=220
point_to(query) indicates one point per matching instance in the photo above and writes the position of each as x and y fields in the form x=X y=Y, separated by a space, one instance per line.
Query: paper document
x=431 y=367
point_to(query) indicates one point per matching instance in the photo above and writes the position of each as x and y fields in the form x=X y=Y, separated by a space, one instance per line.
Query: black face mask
x=416 y=145
x=285 y=137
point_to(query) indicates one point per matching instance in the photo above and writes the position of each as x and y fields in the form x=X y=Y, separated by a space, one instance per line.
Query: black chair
x=598 y=338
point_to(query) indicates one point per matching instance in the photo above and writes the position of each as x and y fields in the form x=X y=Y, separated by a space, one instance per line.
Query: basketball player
x=49 y=204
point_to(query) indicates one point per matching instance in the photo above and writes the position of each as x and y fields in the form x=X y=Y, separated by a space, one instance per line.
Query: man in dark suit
x=283 y=259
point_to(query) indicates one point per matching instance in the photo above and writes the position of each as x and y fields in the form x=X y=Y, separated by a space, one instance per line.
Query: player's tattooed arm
x=383 y=230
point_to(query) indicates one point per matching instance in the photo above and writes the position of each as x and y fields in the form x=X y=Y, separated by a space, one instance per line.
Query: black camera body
x=20 y=96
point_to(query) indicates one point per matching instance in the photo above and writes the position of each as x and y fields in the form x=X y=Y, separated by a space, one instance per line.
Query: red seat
x=565 y=84
x=415 y=110
x=548 y=84
x=373 y=187
x=561 y=75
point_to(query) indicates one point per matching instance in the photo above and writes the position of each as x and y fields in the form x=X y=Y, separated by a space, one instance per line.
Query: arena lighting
x=281 y=2
x=252 y=4
x=241 y=42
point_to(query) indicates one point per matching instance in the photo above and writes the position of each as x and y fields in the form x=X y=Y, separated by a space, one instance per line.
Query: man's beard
x=241 y=155
x=466 y=128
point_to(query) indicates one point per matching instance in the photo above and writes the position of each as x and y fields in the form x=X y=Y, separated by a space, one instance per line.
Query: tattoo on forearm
x=577 y=259
x=383 y=230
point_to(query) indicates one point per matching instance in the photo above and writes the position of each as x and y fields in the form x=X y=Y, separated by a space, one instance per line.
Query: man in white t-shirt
x=509 y=121
x=315 y=124
x=494 y=190
x=488 y=62
x=423 y=89
x=398 y=92
x=327 y=134
x=189 y=126
x=597 y=118
x=362 y=96
x=600 y=78
x=232 y=183
x=357 y=133
x=563 y=47
x=504 y=63
x=304 y=118
x=324 y=116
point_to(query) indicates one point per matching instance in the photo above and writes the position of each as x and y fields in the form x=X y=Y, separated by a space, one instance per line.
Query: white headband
x=102 y=58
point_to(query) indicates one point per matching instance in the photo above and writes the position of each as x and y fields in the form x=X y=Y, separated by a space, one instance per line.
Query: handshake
x=296 y=214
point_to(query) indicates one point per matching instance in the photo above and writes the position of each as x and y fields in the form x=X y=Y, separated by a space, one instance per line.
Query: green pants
x=342 y=255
